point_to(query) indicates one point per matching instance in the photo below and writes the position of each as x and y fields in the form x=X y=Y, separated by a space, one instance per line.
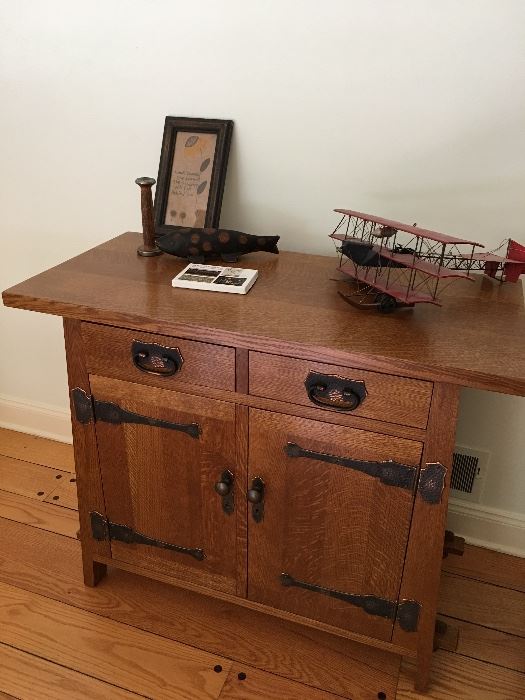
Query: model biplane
x=397 y=265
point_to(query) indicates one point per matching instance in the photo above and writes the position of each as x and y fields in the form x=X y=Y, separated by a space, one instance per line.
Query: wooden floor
x=62 y=641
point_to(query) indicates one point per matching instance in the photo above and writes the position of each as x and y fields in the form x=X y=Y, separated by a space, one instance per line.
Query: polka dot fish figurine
x=200 y=244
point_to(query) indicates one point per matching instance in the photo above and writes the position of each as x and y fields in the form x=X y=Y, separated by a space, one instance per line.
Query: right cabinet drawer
x=383 y=397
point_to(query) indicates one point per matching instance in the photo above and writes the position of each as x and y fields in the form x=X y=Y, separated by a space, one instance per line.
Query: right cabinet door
x=328 y=520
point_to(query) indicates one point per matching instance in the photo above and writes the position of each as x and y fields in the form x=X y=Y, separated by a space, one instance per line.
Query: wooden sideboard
x=283 y=451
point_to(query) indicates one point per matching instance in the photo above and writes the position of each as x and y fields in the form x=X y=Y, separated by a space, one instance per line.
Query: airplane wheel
x=387 y=304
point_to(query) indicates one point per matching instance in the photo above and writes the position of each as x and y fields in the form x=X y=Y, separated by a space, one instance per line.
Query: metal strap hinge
x=103 y=529
x=406 y=612
x=89 y=409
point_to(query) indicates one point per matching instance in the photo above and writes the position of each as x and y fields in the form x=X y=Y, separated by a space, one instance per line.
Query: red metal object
x=414 y=230
x=515 y=264
x=395 y=264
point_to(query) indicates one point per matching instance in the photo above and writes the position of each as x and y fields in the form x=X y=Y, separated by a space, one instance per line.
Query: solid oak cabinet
x=323 y=510
x=282 y=452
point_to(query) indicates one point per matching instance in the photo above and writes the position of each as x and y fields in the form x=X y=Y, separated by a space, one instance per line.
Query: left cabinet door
x=162 y=453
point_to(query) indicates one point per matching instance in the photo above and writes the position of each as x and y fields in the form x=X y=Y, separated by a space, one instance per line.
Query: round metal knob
x=254 y=495
x=223 y=488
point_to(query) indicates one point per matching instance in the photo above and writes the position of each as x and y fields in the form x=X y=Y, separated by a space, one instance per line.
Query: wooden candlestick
x=149 y=248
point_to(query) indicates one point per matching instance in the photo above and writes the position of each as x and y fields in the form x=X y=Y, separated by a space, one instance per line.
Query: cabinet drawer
x=157 y=360
x=342 y=389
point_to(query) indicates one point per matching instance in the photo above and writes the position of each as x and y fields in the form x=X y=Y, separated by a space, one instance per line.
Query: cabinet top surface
x=475 y=339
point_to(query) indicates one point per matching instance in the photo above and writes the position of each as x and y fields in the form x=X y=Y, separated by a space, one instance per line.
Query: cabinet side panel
x=422 y=569
x=89 y=482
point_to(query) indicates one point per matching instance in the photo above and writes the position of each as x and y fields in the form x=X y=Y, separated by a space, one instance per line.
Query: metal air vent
x=468 y=473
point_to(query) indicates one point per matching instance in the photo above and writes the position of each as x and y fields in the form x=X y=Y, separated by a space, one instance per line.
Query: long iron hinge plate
x=388 y=472
x=88 y=409
x=103 y=529
x=406 y=612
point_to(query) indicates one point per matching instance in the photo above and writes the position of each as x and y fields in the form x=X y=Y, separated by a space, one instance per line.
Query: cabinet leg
x=423 y=665
x=94 y=571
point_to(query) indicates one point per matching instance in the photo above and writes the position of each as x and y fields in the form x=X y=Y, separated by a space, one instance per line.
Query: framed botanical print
x=192 y=172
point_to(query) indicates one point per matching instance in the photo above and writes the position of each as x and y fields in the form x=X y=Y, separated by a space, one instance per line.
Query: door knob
x=224 y=486
x=224 y=489
x=255 y=496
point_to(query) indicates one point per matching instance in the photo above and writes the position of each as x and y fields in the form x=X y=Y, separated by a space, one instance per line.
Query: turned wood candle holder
x=149 y=247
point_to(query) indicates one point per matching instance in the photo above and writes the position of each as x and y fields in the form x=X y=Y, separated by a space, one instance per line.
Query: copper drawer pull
x=156 y=359
x=331 y=391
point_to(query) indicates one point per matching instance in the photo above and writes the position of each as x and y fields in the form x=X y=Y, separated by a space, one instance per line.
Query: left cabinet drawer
x=158 y=360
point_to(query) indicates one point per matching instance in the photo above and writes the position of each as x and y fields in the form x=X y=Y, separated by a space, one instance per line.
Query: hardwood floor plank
x=30 y=677
x=58 y=455
x=456 y=677
x=110 y=651
x=482 y=604
x=50 y=565
x=65 y=494
x=28 y=479
x=38 y=514
x=488 y=566
x=489 y=645
x=259 y=685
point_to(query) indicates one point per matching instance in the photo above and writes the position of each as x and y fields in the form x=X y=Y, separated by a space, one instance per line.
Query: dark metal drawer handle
x=156 y=359
x=388 y=472
x=331 y=391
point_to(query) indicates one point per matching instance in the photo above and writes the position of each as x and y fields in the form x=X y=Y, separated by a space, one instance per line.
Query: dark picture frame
x=192 y=173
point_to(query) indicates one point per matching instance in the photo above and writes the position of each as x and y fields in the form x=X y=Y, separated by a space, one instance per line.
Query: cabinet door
x=328 y=539
x=161 y=455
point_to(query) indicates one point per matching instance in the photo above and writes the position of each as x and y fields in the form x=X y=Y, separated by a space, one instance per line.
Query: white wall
x=412 y=109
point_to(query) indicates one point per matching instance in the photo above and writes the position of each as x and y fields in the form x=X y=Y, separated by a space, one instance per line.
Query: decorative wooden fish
x=200 y=244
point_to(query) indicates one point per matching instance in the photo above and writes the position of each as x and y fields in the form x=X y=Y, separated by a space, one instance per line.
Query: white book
x=213 y=278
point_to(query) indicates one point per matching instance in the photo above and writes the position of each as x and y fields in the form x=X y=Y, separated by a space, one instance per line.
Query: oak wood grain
x=294 y=304
x=29 y=677
x=388 y=398
x=241 y=504
x=50 y=565
x=241 y=370
x=44 y=516
x=87 y=467
x=352 y=421
x=421 y=572
x=28 y=479
x=455 y=676
x=30 y=448
x=325 y=524
x=491 y=645
x=483 y=603
x=488 y=566
x=161 y=482
x=127 y=657
x=108 y=352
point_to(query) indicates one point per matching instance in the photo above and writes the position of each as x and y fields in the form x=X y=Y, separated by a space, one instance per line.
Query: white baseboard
x=35 y=419
x=487 y=527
